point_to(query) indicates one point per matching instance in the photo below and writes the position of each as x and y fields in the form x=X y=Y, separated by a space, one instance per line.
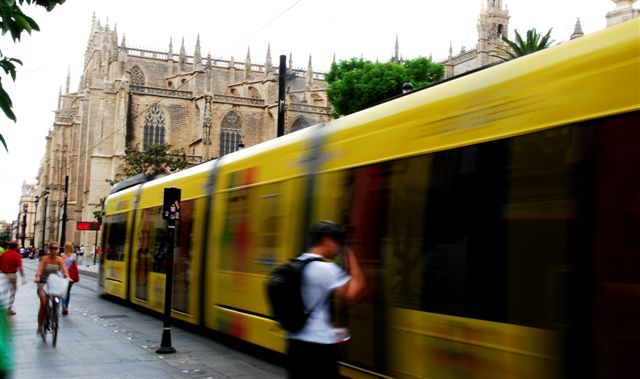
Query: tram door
x=362 y=213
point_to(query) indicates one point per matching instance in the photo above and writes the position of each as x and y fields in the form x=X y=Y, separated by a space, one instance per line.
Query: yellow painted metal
x=429 y=345
x=590 y=77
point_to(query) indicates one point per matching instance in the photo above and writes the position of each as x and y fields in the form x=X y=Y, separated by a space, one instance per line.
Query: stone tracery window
x=154 y=127
x=299 y=123
x=137 y=76
x=254 y=93
x=230 y=133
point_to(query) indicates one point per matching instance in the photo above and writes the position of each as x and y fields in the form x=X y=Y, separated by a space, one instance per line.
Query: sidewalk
x=86 y=266
x=102 y=339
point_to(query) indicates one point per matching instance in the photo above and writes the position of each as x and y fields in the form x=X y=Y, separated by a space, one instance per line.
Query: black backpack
x=284 y=289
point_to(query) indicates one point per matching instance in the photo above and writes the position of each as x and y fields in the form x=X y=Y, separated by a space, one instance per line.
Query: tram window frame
x=117 y=221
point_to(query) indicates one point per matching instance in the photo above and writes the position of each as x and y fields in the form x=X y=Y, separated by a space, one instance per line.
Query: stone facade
x=493 y=24
x=130 y=97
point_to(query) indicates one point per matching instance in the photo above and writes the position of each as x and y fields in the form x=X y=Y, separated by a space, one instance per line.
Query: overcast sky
x=346 y=28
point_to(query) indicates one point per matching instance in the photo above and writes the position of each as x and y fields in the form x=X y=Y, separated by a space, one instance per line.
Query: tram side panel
x=149 y=262
x=256 y=226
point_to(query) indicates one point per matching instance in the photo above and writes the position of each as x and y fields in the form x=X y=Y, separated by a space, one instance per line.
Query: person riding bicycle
x=51 y=263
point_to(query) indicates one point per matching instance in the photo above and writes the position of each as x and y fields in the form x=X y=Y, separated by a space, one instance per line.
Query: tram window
x=115 y=229
x=152 y=253
x=485 y=231
x=158 y=241
x=143 y=257
x=182 y=257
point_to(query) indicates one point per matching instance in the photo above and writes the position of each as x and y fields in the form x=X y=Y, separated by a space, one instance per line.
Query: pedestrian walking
x=313 y=350
x=10 y=265
x=71 y=263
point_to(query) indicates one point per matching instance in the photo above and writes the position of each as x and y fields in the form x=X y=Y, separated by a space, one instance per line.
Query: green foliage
x=534 y=42
x=14 y=21
x=357 y=84
x=5 y=235
x=157 y=159
x=98 y=213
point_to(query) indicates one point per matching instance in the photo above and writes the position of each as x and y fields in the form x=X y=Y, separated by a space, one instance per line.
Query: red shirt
x=10 y=261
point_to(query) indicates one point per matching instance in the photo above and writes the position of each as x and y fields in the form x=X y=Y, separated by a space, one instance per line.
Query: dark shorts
x=312 y=360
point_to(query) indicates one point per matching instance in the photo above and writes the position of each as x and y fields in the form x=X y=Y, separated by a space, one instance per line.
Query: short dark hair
x=13 y=245
x=323 y=229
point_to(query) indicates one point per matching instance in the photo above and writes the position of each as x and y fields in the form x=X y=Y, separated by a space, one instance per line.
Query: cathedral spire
x=268 y=66
x=68 y=78
x=290 y=61
x=123 y=44
x=247 y=65
x=182 y=60
x=170 y=53
x=197 y=56
x=396 y=54
x=309 y=78
x=577 y=30
x=60 y=97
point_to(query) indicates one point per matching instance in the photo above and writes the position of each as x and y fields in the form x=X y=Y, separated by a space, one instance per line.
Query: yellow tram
x=496 y=217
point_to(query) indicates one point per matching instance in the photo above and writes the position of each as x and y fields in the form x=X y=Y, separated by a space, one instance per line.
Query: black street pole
x=282 y=77
x=64 y=212
x=170 y=212
x=44 y=214
x=25 y=208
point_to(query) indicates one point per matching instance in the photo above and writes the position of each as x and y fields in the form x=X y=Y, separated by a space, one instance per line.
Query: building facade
x=129 y=98
x=493 y=24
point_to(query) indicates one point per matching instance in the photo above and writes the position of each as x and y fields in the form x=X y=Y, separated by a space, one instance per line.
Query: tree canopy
x=14 y=21
x=357 y=84
x=534 y=42
x=155 y=160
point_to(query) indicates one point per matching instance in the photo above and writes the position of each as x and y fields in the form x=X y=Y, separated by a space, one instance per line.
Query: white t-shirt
x=319 y=279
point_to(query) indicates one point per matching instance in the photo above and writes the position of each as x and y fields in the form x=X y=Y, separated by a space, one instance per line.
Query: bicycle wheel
x=45 y=322
x=54 y=322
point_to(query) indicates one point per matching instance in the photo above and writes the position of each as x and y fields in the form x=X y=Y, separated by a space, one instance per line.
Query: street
x=102 y=339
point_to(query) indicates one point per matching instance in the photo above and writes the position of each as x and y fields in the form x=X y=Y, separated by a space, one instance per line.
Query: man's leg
x=13 y=286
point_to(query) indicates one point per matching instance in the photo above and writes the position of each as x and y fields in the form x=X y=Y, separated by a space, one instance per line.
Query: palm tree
x=534 y=42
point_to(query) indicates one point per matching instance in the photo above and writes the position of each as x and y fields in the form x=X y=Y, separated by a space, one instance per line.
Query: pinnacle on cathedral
x=268 y=65
x=197 y=56
x=577 y=30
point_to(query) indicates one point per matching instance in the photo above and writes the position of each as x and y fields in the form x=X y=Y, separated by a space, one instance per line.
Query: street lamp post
x=64 y=212
x=25 y=208
x=44 y=214
x=35 y=223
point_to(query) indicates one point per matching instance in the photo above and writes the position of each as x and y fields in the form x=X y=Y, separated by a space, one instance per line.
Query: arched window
x=137 y=76
x=230 y=133
x=299 y=123
x=154 y=122
x=254 y=93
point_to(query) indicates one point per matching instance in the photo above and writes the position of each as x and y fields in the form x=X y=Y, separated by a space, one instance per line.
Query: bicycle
x=50 y=323
x=55 y=289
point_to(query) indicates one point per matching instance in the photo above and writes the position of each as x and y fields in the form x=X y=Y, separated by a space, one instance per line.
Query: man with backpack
x=313 y=342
